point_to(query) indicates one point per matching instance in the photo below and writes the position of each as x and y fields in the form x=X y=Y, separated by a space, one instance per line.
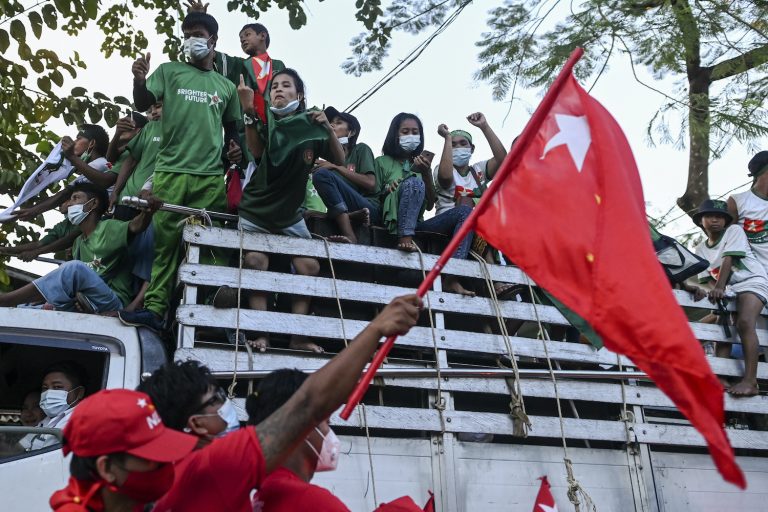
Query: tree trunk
x=697 y=189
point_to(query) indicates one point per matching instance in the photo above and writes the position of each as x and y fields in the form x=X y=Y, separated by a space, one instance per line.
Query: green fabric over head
x=462 y=133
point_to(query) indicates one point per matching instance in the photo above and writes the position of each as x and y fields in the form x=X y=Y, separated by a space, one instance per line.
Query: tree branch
x=691 y=35
x=744 y=62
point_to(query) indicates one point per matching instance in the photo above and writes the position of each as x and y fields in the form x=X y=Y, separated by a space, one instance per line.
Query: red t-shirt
x=220 y=476
x=283 y=491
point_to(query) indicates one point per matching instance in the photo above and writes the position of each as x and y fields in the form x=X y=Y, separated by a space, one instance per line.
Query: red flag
x=569 y=210
x=429 y=506
x=545 y=502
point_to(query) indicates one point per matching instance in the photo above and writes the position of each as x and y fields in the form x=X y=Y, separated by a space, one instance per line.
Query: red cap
x=123 y=421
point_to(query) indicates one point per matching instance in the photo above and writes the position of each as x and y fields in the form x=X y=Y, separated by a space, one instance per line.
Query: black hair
x=298 y=82
x=258 y=28
x=757 y=163
x=93 y=191
x=391 y=145
x=201 y=19
x=177 y=390
x=84 y=468
x=74 y=372
x=140 y=119
x=97 y=134
x=274 y=390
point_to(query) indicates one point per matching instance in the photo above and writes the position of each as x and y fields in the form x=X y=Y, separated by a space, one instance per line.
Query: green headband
x=462 y=133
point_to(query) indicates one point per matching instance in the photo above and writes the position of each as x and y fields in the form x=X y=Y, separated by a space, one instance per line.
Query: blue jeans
x=340 y=196
x=142 y=252
x=60 y=286
x=411 y=197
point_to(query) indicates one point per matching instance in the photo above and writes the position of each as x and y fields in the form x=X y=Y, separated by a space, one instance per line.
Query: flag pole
x=510 y=162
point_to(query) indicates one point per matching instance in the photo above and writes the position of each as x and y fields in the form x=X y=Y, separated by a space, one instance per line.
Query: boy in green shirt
x=97 y=280
x=188 y=168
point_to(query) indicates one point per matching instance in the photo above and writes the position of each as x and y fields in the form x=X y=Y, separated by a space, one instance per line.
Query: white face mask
x=343 y=140
x=228 y=413
x=410 y=142
x=328 y=458
x=196 y=48
x=288 y=109
x=54 y=401
x=461 y=156
x=76 y=214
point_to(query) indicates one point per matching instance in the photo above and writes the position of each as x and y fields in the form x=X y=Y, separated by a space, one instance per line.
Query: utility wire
x=410 y=59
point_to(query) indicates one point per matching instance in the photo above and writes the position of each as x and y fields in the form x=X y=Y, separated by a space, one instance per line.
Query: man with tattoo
x=230 y=461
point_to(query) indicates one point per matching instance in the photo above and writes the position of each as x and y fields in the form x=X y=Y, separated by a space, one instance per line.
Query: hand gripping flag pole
x=510 y=162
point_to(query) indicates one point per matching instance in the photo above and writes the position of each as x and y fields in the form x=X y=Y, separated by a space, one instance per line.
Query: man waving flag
x=569 y=211
x=567 y=207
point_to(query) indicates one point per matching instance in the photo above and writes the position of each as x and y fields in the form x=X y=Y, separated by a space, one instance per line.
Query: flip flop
x=84 y=303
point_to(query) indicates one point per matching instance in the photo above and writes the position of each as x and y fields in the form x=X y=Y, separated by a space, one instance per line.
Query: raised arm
x=497 y=148
x=62 y=243
x=98 y=178
x=445 y=168
x=336 y=155
x=142 y=98
x=326 y=389
x=252 y=137
x=126 y=169
x=123 y=125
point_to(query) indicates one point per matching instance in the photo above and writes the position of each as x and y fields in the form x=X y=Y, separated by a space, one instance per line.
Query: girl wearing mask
x=406 y=188
x=122 y=454
x=286 y=147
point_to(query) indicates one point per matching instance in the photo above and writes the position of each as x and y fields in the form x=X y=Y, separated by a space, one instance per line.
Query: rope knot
x=575 y=490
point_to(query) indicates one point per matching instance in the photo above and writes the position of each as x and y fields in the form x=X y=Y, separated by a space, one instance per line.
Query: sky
x=439 y=88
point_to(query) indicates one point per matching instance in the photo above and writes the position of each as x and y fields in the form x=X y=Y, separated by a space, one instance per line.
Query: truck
x=477 y=403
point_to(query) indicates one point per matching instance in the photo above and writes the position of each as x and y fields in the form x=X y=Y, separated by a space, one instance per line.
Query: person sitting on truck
x=87 y=155
x=735 y=272
x=222 y=474
x=349 y=191
x=63 y=387
x=98 y=279
x=122 y=454
x=287 y=146
x=58 y=239
x=407 y=191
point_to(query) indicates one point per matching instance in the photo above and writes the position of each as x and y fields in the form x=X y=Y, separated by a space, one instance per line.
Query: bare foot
x=341 y=239
x=260 y=344
x=744 y=388
x=406 y=243
x=451 y=284
x=504 y=290
x=305 y=345
x=725 y=382
x=362 y=216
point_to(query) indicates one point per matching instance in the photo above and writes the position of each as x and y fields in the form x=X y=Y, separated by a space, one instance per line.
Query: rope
x=517 y=412
x=627 y=416
x=335 y=288
x=364 y=420
x=575 y=490
x=231 y=388
x=439 y=400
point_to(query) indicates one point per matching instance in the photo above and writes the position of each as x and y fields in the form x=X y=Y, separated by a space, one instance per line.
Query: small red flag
x=545 y=502
x=569 y=211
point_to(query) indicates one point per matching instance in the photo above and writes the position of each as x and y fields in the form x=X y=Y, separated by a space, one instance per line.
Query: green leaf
x=5 y=41
x=49 y=16
x=100 y=96
x=18 y=32
x=94 y=113
x=91 y=8
x=111 y=115
x=25 y=52
x=122 y=100
x=57 y=78
x=79 y=91
x=36 y=21
x=44 y=83
x=37 y=65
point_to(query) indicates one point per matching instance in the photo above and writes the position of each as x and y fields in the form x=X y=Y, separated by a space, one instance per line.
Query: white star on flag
x=141 y=402
x=574 y=133
x=547 y=508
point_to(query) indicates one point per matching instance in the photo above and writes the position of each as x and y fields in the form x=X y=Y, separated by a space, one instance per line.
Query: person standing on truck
x=201 y=108
x=122 y=454
x=63 y=388
x=222 y=474
x=97 y=280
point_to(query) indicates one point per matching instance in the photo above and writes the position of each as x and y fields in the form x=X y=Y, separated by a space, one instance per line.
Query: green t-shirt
x=104 y=251
x=115 y=167
x=278 y=187
x=143 y=148
x=360 y=160
x=196 y=102
x=58 y=231
x=388 y=170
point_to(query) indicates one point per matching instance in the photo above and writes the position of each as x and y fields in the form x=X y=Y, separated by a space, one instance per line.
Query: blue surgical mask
x=461 y=156
x=76 y=213
x=410 y=142
x=196 y=48
x=290 y=108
